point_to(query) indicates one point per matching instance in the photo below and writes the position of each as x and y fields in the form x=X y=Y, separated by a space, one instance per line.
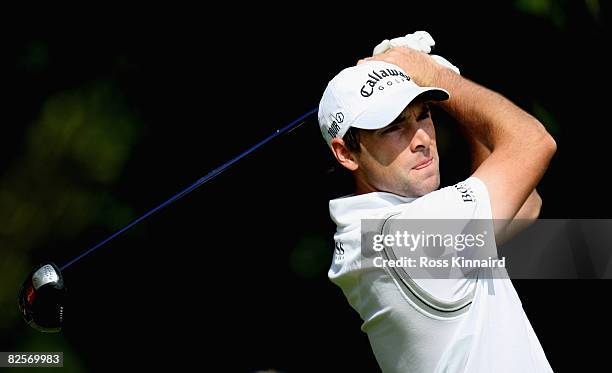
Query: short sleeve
x=468 y=199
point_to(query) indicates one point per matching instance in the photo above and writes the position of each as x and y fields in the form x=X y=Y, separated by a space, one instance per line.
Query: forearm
x=490 y=118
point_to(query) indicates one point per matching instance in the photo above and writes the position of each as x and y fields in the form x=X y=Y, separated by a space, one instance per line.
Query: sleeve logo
x=339 y=250
x=467 y=194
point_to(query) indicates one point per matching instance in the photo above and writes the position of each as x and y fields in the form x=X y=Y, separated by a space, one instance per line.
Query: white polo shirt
x=474 y=324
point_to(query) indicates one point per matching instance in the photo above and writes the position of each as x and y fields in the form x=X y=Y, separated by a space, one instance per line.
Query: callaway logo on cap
x=369 y=96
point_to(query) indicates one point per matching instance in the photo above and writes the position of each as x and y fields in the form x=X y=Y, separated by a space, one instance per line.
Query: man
x=376 y=120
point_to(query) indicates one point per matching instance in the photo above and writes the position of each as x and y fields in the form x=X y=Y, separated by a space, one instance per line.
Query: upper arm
x=512 y=173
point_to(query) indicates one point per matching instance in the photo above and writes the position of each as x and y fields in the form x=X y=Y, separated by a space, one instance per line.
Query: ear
x=343 y=155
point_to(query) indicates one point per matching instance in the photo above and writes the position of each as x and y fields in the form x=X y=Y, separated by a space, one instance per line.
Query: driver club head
x=42 y=298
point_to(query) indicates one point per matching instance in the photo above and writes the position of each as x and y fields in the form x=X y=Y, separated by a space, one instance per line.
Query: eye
x=390 y=129
x=425 y=113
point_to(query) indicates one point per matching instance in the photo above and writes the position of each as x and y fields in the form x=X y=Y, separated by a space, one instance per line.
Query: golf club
x=42 y=300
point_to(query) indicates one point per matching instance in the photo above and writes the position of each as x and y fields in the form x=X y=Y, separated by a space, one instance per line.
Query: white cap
x=368 y=96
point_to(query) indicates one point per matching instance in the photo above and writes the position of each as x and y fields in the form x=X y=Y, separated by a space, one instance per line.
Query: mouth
x=423 y=164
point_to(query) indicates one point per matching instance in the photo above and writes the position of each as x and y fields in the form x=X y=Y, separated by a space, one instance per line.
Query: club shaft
x=212 y=174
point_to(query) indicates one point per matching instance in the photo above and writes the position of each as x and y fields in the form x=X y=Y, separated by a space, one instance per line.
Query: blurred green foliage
x=73 y=153
x=555 y=10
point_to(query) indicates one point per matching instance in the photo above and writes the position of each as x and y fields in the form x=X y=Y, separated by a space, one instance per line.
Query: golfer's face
x=402 y=157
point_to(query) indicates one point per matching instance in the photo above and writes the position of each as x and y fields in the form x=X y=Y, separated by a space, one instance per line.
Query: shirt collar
x=346 y=210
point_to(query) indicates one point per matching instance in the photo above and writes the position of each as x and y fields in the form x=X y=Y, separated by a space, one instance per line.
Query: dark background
x=108 y=113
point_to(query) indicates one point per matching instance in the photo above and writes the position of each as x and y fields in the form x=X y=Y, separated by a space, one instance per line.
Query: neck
x=361 y=186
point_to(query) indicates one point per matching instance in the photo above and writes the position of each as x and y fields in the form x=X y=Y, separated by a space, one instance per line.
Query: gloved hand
x=420 y=41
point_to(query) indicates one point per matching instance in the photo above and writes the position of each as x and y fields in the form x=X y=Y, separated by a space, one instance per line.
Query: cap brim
x=383 y=113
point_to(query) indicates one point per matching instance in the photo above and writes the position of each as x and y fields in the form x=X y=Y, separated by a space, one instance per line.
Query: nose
x=421 y=141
